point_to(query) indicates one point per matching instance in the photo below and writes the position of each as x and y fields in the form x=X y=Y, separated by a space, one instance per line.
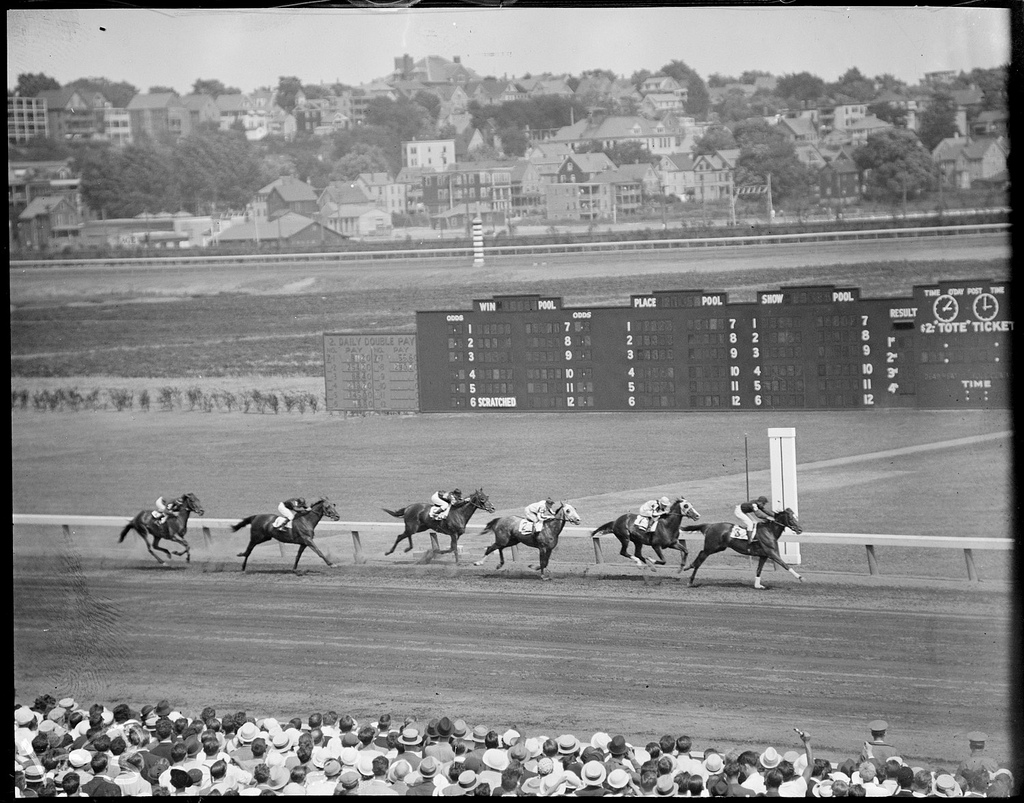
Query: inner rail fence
x=495 y=250
x=70 y=524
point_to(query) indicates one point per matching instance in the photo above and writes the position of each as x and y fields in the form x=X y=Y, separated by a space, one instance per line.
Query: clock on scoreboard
x=817 y=347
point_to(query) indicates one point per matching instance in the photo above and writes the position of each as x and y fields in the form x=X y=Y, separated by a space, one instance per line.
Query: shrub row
x=167 y=398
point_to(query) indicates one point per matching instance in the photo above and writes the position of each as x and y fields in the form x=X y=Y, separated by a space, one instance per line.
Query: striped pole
x=478 y=241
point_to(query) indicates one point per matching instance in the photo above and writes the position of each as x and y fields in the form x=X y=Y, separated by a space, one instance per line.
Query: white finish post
x=782 y=455
x=478 y=241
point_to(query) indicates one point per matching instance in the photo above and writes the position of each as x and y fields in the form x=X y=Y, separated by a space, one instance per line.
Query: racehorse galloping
x=718 y=536
x=417 y=519
x=172 y=529
x=301 y=531
x=664 y=536
x=507 y=533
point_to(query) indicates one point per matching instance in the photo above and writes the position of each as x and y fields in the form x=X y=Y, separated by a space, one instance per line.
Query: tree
x=31 y=84
x=698 y=102
x=431 y=103
x=160 y=90
x=288 y=87
x=119 y=94
x=362 y=158
x=800 y=86
x=717 y=80
x=217 y=169
x=733 y=107
x=41 y=149
x=716 y=138
x=889 y=112
x=213 y=88
x=751 y=76
x=637 y=78
x=887 y=82
x=404 y=118
x=854 y=85
x=895 y=165
x=765 y=150
x=938 y=121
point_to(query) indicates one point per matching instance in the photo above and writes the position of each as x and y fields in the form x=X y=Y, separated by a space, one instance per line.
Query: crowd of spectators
x=63 y=749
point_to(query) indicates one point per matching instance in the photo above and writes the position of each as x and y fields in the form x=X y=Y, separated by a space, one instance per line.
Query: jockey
x=541 y=511
x=753 y=511
x=165 y=506
x=288 y=510
x=654 y=509
x=443 y=500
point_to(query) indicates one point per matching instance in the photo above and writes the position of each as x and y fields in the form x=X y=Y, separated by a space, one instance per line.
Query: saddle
x=643 y=525
x=281 y=523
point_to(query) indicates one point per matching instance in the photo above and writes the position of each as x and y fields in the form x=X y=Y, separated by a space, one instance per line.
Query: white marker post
x=782 y=456
x=478 y=241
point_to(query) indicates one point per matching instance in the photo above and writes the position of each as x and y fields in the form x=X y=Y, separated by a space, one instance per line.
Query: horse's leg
x=701 y=557
x=487 y=552
x=683 y=553
x=638 y=553
x=545 y=555
x=156 y=542
x=659 y=553
x=312 y=546
x=624 y=540
x=302 y=548
x=775 y=557
x=150 y=546
x=254 y=541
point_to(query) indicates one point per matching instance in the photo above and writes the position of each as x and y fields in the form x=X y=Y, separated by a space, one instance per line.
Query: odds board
x=821 y=347
x=370 y=372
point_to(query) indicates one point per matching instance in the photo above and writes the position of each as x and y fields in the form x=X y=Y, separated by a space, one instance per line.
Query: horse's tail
x=489 y=527
x=398 y=514
x=236 y=527
x=604 y=529
x=696 y=528
x=127 y=529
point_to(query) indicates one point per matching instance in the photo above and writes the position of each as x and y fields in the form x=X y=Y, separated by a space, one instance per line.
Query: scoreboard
x=819 y=347
x=370 y=372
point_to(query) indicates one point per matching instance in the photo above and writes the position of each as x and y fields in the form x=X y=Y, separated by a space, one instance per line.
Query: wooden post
x=514 y=551
x=358 y=546
x=972 y=571
x=206 y=537
x=872 y=560
x=598 y=557
x=67 y=533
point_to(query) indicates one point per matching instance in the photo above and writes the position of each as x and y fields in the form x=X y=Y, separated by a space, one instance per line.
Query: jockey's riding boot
x=750 y=536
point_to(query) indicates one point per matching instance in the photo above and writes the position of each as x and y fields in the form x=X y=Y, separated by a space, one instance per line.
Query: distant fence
x=359 y=529
x=494 y=249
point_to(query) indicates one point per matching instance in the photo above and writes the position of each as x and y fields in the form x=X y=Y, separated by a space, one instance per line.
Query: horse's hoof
x=800 y=577
x=240 y=555
x=479 y=563
x=408 y=549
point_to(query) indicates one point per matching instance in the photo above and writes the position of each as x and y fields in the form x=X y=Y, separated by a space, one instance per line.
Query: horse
x=417 y=519
x=765 y=545
x=507 y=533
x=664 y=536
x=173 y=527
x=262 y=529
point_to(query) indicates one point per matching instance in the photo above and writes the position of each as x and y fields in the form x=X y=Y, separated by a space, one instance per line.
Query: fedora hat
x=80 y=758
x=593 y=773
x=332 y=768
x=429 y=766
x=280 y=740
x=617 y=746
x=823 y=789
x=770 y=758
x=444 y=727
x=348 y=756
x=460 y=729
x=480 y=733
x=279 y=777
x=666 y=787
x=364 y=764
x=410 y=737
x=600 y=740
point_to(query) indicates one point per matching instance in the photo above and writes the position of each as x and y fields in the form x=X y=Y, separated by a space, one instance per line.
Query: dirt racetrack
x=598 y=648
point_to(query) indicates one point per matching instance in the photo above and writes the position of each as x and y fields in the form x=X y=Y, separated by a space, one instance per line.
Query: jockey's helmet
x=763 y=500
x=456 y=492
x=549 y=501
x=663 y=501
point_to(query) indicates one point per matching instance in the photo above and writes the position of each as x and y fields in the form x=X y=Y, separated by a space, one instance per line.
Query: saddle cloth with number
x=527 y=527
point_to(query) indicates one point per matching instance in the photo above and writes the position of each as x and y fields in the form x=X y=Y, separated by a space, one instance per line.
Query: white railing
x=495 y=250
x=358 y=529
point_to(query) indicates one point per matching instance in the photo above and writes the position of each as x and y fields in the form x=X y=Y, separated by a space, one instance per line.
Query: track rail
x=358 y=529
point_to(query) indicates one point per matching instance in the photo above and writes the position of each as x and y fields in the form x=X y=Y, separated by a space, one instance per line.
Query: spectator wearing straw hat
x=421 y=782
x=592 y=776
x=410 y=746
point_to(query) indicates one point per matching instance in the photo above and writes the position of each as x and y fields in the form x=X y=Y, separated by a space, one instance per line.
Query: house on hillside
x=375 y=186
x=292 y=196
x=982 y=160
x=589 y=201
x=656 y=104
x=548 y=157
x=581 y=167
x=435 y=154
x=201 y=109
x=69 y=114
x=677 y=175
x=159 y=114
x=358 y=221
x=609 y=130
x=714 y=175
x=945 y=156
x=797 y=129
x=49 y=222
x=260 y=208
x=839 y=183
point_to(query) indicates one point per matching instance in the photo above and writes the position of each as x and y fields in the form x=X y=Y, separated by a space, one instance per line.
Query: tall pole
x=771 y=208
x=746 y=460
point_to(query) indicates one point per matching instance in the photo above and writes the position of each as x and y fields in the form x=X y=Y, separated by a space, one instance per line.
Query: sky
x=249 y=48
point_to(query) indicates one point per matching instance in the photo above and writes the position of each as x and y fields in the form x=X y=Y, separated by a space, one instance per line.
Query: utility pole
x=771 y=209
